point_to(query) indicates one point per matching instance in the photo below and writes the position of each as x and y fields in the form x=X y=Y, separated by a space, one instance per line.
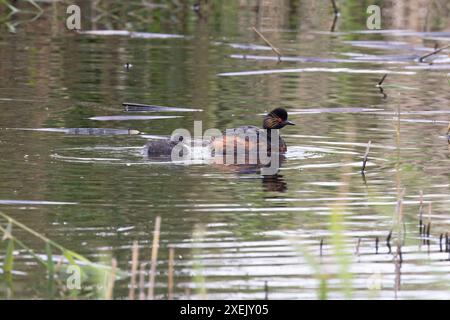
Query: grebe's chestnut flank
x=275 y=119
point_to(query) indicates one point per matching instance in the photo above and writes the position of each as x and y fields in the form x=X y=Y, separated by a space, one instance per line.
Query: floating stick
x=432 y=53
x=440 y=242
x=278 y=53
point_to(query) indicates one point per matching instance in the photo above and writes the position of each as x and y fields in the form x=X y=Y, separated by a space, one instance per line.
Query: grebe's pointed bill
x=289 y=123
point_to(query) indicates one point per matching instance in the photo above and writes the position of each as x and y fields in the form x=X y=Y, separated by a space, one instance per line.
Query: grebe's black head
x=276 y=119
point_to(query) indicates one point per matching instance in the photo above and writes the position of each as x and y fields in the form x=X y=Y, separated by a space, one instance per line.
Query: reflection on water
x=96 y=193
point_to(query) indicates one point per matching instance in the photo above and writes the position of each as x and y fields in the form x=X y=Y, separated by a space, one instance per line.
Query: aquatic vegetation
x=340 y=253
x=199 y=278
x=232 y=231
x=98 y=277
x=13 y=10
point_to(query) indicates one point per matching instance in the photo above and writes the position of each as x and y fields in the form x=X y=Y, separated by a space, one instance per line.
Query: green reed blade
x=9 y=257
x=50 y=270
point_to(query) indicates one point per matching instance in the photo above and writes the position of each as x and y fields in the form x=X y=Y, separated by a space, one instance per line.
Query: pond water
x=235 y=235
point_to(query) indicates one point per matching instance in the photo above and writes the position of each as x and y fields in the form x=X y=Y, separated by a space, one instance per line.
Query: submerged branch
x=278 y=53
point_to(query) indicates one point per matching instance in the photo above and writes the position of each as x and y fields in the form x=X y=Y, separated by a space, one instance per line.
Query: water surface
x=95 y=193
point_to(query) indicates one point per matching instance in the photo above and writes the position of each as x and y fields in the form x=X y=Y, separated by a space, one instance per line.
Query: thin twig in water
x=446 y=242
x=380 y=86
x=335 y=8
x=357 y=246
x=333 y=25
x=321 y=246
x=134 y=266
x=398 y=267
x=388 y=241
x=380 y=83
x=433 y=53
x=170 y=273
x=441 y=237
x=266 y=290
x=420 y=214
x=366 y=156
x=382 y=92
x=336 y=15
x=278 y=53
x=428 y=224
x=154 y=259
x=376 y=245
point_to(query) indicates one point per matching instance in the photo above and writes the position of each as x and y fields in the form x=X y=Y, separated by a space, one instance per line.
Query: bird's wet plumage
x=249 y=139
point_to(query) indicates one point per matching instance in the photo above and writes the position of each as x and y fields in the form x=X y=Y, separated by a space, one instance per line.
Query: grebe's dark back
x=274 y=120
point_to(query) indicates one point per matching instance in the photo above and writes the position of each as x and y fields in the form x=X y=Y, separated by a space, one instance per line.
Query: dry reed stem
x=142 y=282
x=170 y=273
x=154 y=259
x=420 y=214
x=111 y=280
x=399 y=209
x=134 y=266
x=357 y=246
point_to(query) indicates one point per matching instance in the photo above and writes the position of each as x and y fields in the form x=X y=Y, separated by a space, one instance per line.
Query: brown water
x=96 y=194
